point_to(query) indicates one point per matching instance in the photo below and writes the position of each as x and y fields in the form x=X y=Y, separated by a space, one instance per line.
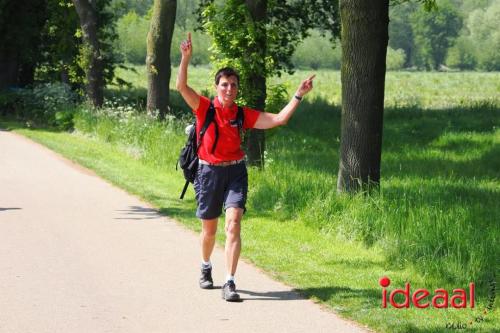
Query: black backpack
x=188 y=158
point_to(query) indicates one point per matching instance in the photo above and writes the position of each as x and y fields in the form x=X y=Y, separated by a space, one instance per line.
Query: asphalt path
x=78 y=254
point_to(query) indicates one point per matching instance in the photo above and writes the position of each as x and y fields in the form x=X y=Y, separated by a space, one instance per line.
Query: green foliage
x=316 y=52
x=395 y=59
x=462 y=55
x=277 y=96
x=141 y=133
x=133 y=27
x=60 y=46
x=400 y=30
x=201 y=42
x=48 y=104
x=106 y=35
x=238 y=47
x=64 y=55
x=132 y=31
x=427 y=36
x=434 y=32
x=123 y=7
x=262 y=48
x=185 y=17
x=485 y=36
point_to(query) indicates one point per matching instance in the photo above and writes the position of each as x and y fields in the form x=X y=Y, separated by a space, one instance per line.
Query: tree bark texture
x=364 y=39
x=158 y=55
x=86 y=11
x=255 y=139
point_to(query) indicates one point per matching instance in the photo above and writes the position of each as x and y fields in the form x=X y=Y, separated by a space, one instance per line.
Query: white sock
x=230 y=278
x=206 y=264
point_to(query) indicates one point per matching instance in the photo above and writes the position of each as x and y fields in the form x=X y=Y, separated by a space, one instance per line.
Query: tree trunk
x=255 y=140
x=87 y=13
x=364 y=41
x=158 y=56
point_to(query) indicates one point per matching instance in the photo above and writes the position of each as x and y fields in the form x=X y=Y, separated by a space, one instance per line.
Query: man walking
x=222 y=181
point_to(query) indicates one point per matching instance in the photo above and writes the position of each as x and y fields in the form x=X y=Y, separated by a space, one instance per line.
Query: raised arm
x=189 y=95
x=269 y=120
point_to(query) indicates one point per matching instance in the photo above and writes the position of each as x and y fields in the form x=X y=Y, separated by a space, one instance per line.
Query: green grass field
x=435 y=222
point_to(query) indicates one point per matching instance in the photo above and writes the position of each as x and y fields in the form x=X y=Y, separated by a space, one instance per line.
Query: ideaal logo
x=460 y=298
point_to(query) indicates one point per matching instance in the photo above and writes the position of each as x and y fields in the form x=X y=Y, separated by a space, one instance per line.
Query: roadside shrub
x=51 y=104
x=7 y=102
x=144 y=136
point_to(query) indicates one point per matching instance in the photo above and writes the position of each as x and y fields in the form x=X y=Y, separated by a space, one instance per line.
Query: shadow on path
x=9 y=208
x=138 y=213
x=271 y=295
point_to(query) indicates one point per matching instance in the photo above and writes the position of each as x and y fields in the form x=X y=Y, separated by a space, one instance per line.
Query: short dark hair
x=226 y=71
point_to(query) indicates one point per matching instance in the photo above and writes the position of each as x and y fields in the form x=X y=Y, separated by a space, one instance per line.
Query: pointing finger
x=189 y=37
x=311 y=77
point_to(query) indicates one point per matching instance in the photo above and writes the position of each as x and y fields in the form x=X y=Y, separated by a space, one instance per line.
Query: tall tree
x=256 y=80
x=88 y=13
x=262 y=37
x=158 y=55
x=364 y=36
x=364 y=39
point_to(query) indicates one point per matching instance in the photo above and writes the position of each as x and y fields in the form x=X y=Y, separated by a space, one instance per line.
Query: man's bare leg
x=233 y=238
x=207 y=240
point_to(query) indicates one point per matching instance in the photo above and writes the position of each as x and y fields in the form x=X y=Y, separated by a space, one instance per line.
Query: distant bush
x=484 y=37
x=461 y=55
x=201 y=42
x=132 y=42
x=132 y=32
x=395 y=59
x=316 y=52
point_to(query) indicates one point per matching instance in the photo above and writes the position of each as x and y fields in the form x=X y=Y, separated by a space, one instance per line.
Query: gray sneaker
x=206 y=281
x=229 y=292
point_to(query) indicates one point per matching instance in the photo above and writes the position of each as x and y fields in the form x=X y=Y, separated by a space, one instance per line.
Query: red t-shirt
x=229 y=144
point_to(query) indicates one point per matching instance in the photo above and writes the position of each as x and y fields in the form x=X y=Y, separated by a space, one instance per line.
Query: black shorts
x=218 y=187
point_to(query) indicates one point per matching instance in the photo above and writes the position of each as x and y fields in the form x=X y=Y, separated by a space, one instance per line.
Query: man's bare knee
x=209 y=228
x=233 y=226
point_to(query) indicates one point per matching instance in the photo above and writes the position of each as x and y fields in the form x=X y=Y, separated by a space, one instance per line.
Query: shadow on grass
x=368 y=297
x=485 y=166
x=184 y=213
x=314 y=134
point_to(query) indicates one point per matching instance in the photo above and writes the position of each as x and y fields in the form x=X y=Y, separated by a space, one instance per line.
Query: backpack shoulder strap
x=209 y=118
x=240 y=118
